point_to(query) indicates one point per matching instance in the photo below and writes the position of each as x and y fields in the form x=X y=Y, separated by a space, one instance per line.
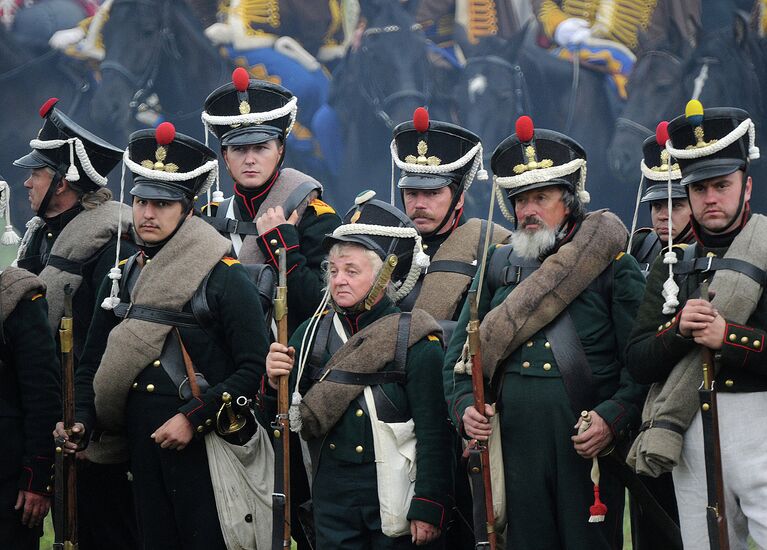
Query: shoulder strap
x=298 y=195
x=647 y=246
x=403 y=334
x=75 y=267
x=498 y=262
x=223 y=207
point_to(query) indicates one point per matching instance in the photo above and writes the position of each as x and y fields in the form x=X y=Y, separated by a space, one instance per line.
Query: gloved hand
x=64 y=38
x=572 y=31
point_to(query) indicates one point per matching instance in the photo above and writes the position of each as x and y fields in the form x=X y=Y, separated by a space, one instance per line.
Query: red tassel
x=597 y=510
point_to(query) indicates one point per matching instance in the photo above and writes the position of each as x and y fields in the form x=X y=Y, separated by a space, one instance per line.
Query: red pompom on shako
x=421 y=119
x=524 y=128
x=47 y=106
x=661 y=133
x=165 y=133
x=241 y=79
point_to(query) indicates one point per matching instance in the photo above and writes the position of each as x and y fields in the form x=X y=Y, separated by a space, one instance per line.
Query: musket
x=715 y=513
x=479 y=453
x=65 y=469
x=281 y=424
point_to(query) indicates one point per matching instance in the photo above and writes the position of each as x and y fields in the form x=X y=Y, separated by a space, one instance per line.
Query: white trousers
x=743 y=436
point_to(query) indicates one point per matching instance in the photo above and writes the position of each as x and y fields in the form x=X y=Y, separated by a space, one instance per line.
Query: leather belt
x=710 y=263
x=356 y=378
x=156 y=315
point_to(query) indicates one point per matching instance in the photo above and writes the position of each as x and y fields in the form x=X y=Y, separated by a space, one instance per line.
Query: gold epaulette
x=619 y=256
x=122 y=262
x=36 y=296
x=230 y=261
x=321 y=207
x=433 y=338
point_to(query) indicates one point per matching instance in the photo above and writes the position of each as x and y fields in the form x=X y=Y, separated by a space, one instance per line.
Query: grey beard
x=534 y=245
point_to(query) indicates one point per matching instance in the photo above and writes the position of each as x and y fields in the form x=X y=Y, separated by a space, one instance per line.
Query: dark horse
x=728 y=68
x=155 y=47
x=379 y=85
x=504 y=80
x=25 y=84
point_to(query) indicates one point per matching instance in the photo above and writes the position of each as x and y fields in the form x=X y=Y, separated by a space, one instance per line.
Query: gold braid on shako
x=537 y=170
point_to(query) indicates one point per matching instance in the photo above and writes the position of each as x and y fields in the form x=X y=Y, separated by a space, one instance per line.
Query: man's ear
x=62 y=186
x=459 y=204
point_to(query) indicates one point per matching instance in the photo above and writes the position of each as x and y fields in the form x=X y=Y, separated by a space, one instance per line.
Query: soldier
x=272 y=206
x=434 y=200
x=30 y=402
x=714 y=150
x=365 y=494
x=646 y=243
x=556 y=306
x=153 y=369
x=73 y=240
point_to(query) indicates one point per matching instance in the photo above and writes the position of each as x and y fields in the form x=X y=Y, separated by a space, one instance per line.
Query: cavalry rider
x=439 y=162
x=379 y=373
x=272 y=207
x=30 y=402
x=180 y=323
x=647 y=243
x=556 y=306
x=714 y=150
x=72 y=241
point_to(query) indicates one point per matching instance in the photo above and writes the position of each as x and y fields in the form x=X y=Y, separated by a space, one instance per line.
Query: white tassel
x=584 y=196
x=482 y=174
x=294 y=413
x=72 y=173
x=670 y=288
x=10 y=238
x=218 y=196
x=111 y=301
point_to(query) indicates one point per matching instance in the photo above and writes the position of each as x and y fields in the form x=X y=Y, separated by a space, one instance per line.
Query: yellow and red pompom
x=421 y=119
x=165 y=133
x=240 y=79
x=694 y=112
x=524 y=128
x=661 y=133
x=47 y=106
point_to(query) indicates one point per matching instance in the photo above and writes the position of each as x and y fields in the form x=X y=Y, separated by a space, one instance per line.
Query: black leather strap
x=479 y=512
x=663 y=424
x=712 y=264
x=229 y=226
x=298 y=195
x=172 y=362
x=572 y=362
x=452 y=266
x=156 y=315
x=356 y=378
x=645 y=253
x=403 y=334
x=64 y=264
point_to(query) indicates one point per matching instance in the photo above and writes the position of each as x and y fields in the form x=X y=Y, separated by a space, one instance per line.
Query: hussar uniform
x=178 y=310
x=77 y=248
x=546 y=363
x=707 y=145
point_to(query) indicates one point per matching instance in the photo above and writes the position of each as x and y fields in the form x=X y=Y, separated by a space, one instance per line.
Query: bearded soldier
x=439 y=162
x=365 y=372
x=272 y=207
x=556 y=306
x=30 y=402
x=72 y=240
x=180 y=324
x=647 y=243
x=714 y=150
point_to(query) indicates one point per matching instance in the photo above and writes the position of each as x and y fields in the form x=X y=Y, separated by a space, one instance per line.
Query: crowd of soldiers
x=594 y=341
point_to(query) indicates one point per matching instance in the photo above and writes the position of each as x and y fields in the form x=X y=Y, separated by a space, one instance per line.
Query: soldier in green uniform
x=646 y=243
x=439 y=162
x=72 y=240
x=272 y=207
x=714 y=150
x=30 y=403
x=180 y=324
x=363 y=369
x=556 y=306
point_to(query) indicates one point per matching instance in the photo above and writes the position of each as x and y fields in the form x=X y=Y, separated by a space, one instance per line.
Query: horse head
x=154 y=48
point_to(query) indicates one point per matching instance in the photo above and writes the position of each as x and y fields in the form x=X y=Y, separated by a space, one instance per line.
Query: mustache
x=531 y=220
x=421 y=214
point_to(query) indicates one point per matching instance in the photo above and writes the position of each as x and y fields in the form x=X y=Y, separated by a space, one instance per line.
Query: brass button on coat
x=156 y=363
x=332 y=446
x=547 y=345
x=359 y=449
x=547 y=366
x=526 y=365
x=744 y=340
x=359 y=412
x=732 y=337
x=273 y=242
x=529 y=344
x=150 y=388
x=757 y=344
x=729 y=383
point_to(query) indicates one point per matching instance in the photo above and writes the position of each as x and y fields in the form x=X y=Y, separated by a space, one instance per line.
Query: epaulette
x=122 y=262
x=619 y=256
x=321 y=207
x=230 y=261
x=433 y=338
x=207 y=206
x=36 y=296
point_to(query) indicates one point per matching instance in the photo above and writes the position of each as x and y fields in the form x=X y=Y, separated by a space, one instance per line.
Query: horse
x=26 y=82
x=727 y=68
x=155 y=50
x=377 y=86
x=520 y=77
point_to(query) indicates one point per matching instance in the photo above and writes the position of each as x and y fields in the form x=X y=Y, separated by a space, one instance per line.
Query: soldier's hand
x=696 y=315
x=35 y=507
x=279 y=362
x=70 y=442
x=274 y=217
x=176 y=433
x=595 y=439
x=476 y=425
x=713 y=335
x=422 y=532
